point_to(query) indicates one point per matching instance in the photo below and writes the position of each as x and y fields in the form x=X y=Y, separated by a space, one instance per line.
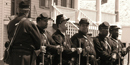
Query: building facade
x=70 y=8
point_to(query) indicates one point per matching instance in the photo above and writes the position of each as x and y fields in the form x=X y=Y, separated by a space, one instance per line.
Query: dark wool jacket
x=104 y=54
x=67 y=54
x=86 y=42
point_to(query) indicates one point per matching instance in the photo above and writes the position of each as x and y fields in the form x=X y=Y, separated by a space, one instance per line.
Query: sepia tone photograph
x=64 y=32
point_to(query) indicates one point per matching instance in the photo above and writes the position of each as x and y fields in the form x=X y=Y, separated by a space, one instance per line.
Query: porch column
x=117 y=10
x=98 y=11
x=51 y=2
x=77 y=8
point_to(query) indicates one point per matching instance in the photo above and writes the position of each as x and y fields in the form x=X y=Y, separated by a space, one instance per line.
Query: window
x=15 y=6
x=56 y=2
x=71 y=3
x=44 y=3
x=64 y=3
x=12 y=7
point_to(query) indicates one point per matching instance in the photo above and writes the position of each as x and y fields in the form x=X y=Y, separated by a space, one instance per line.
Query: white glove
x=114 y=56
x=123 y=49
x=73 y=49
x=79 y=50
x=43 y=49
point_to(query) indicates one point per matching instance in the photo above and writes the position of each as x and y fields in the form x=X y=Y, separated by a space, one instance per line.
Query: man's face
x=63 y=26
x=43 y=23
x=84 y=28
x=115 y=33
x=104 y=31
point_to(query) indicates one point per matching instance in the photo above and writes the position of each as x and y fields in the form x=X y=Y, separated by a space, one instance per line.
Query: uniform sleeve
x=123 y=53
x=51 y=49
x=67 y=53
x=99 y=50
x=113 y=46
x=57 y=38
x=75 y=41
x=50 y=39
x=32 y=29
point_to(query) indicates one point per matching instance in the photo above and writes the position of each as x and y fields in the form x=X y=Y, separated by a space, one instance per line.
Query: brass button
x=19 y=55
x=20 y=44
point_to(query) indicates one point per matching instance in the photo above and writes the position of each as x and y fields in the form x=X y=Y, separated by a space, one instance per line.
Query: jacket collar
x=59 y=32
x=81 y=33
x=102 y=37
x=41 y=30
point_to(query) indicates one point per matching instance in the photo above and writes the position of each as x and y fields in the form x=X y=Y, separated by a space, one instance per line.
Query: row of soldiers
x=33 y=45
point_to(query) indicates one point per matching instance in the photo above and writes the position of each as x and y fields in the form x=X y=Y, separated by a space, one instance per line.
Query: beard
x=115 y=36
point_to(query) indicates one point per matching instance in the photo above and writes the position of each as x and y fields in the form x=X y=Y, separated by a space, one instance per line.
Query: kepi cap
x=113 y=27
x=104 y=24
x=60 y=19
x=83 y=21
x=24 y=5
x=43 y=16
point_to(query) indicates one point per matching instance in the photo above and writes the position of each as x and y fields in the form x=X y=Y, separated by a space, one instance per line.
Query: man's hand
x=128 y=49
x=79 y=50
x=43 y=49
x=114 y=55
x=60 y=49
x=123 y=49
x=87 y=48
x=73 y=49
x=58 y=46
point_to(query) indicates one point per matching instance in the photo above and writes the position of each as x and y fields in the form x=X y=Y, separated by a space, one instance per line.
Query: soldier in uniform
x=122 y=51
x=83 y=40
x=62 y=39
x=104 y=46
x=26 y=39
x=51 y=48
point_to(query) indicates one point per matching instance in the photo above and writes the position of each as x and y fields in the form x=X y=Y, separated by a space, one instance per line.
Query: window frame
x=64 y=3
x=72 y=3
x=46 y=4
x=56 y=2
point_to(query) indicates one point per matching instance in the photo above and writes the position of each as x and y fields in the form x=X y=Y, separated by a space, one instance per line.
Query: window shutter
x=42 y=3
x=104 y=1
x=71 y=3
x=56 y=2
x=64 y=3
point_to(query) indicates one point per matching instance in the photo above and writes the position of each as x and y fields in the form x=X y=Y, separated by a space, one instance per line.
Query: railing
x=93 y=27
x=69 y=12
x=72 y=28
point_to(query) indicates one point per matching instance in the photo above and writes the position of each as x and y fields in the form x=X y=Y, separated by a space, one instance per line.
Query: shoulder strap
x=14 y=34
x=88 y=40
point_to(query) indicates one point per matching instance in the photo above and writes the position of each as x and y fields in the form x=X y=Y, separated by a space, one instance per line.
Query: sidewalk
x=1 y=62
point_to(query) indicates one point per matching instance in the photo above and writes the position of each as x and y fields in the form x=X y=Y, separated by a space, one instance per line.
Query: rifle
x=61 y=55
x=42 y=63
x=87 y=57
x=87 y=54
x=128 y=55
x=79 y=53
x=119 y=55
